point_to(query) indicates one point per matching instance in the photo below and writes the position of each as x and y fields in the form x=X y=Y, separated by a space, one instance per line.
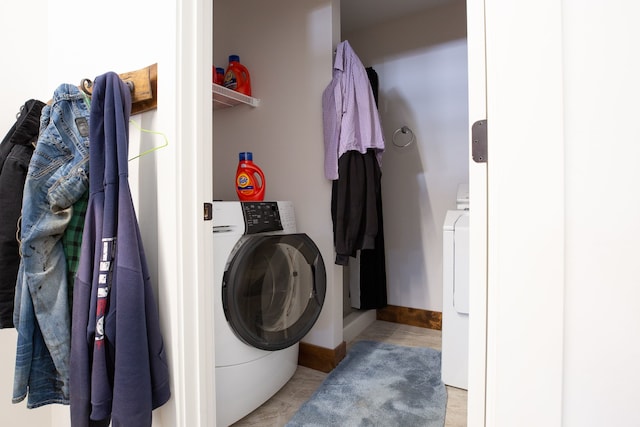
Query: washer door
x=273 y=289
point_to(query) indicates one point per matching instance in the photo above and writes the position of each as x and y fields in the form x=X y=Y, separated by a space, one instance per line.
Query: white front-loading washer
x=269 y=287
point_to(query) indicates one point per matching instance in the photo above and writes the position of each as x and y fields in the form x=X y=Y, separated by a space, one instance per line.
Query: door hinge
x=479 y=150
x=208 y=211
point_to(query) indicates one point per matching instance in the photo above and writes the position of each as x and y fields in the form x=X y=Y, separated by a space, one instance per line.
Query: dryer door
x=273 y=289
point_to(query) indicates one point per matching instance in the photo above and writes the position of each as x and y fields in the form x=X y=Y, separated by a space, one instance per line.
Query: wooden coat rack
x=144 y=88
x=144 y=96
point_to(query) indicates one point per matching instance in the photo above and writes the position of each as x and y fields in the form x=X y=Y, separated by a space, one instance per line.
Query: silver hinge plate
x=208 y=211
x=479 y=150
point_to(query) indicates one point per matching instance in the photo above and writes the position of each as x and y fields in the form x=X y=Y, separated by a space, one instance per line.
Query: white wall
x=23 y=80
x=287 y=46
x=63 y=41
x=421 y=63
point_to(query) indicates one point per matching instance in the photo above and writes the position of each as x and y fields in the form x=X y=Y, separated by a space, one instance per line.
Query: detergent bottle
x=218 y=75
x=250 y=181
x=237 y=76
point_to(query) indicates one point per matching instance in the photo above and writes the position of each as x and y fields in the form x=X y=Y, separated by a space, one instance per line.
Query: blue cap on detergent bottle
x=246 y=155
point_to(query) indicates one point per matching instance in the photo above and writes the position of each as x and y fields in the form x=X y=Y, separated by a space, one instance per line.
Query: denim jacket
x=56 y=179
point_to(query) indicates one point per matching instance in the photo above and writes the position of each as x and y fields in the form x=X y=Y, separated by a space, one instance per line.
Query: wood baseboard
x=321 y=358
x=411 y=316
x=325 y=359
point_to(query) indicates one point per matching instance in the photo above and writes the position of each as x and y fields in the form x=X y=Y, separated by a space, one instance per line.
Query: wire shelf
x=226 y=98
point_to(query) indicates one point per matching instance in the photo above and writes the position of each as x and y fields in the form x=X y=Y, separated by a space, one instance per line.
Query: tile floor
x=281 y=407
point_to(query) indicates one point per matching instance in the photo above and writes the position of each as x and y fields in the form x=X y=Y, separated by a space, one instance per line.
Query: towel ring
x=403 y=130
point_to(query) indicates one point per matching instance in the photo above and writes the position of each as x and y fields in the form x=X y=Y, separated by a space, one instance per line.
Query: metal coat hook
x=86 y=85
x=142 y=83
x=404 y=130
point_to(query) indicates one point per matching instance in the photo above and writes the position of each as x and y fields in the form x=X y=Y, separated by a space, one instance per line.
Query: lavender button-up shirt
x=350 y=117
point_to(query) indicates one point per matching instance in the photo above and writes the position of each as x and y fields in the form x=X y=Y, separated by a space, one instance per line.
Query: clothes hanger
x=86 y=86
x=87 y=100
x=155 y=132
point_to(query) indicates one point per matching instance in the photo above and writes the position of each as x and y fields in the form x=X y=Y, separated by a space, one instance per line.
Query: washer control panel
x=261 y=217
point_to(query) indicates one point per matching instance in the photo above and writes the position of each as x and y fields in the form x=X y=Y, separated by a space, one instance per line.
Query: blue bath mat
x=379 y=384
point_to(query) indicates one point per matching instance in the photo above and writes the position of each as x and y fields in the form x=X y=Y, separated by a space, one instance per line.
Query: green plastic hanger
x=87 y=100
x=151 y=150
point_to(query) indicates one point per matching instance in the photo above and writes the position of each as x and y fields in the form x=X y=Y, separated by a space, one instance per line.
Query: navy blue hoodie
x=118 y=365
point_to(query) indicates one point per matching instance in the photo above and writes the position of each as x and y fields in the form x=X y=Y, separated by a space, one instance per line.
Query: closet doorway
x=420 y=51
x=262 y=128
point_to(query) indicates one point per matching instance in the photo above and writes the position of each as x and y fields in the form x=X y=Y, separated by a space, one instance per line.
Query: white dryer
x=270 y=284
x=455 y=308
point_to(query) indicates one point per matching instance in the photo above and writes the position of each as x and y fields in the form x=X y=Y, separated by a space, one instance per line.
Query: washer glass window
x=273 y=289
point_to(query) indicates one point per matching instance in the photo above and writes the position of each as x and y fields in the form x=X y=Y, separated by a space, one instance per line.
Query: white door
x=525 y=215
x=478 y=220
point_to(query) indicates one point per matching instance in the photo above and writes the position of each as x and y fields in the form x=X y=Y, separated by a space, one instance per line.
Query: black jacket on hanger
x=373 y=272
x=356 y=210
x=15 y=153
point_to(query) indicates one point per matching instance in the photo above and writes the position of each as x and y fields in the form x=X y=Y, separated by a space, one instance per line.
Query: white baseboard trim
x=357 y=322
